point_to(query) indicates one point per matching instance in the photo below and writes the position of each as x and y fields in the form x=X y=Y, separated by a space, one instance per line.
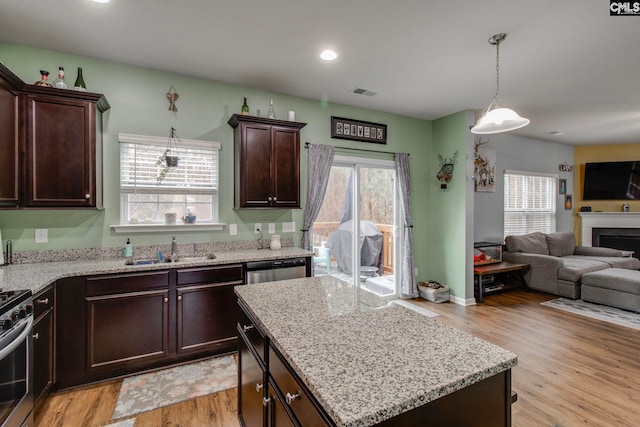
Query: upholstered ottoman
x=616 y=287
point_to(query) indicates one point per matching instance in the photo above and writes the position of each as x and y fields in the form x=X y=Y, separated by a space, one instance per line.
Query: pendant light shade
x=497 y=119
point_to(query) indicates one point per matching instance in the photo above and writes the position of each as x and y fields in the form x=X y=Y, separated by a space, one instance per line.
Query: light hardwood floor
x=572 y=371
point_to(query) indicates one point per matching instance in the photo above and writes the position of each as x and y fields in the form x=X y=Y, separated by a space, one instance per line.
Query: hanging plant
x=170 y=156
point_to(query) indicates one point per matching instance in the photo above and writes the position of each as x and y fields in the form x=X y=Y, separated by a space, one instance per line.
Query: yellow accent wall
x=600 y=153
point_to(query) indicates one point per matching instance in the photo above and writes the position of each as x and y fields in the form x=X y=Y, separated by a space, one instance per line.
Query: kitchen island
x=364 y=361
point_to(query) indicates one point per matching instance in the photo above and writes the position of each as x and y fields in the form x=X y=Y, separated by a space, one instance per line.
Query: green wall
x=139 y=106
x=451 y=225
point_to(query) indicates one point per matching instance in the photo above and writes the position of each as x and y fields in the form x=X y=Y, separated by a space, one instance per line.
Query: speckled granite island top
x=36 y=276
x=364 y=359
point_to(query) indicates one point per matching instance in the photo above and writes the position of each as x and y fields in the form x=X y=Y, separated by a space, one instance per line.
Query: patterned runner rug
x=161 y=388
x=596 y=311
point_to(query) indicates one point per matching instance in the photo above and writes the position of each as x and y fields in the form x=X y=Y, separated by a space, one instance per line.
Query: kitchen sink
x=195 y=258
x=179 y=259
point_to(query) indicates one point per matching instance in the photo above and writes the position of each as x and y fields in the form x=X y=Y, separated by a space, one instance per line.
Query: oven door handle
x=15 y=342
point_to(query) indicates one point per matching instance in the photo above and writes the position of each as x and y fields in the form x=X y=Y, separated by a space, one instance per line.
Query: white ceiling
x=567 y=65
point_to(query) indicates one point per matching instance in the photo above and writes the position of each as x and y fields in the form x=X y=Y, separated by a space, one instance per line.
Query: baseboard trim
x=461 y=301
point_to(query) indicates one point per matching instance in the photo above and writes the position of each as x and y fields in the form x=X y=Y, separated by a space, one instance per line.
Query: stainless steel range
x=16 y=363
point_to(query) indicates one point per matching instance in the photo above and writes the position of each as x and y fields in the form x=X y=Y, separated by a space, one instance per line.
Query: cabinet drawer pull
x=36 y=336
x=43 y=301
x=265 y=401
x=259 y=387
x=291 y=397
x=245 y=328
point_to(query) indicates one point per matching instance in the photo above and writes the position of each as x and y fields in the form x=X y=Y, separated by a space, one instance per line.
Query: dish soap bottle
x=128 y=250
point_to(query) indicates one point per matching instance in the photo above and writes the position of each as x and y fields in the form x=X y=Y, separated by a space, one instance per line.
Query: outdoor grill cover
x=339 y=244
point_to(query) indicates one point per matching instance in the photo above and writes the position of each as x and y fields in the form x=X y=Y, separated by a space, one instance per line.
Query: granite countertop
x=365 y=359
x=36 y=276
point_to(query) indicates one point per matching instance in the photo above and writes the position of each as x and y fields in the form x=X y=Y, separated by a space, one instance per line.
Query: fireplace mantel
x=591 y=220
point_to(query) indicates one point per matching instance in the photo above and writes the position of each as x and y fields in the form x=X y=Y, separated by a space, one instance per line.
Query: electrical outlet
x=415 y=271
x=272 y=228
x=258 y=227
x=233 y=229
x=42 y=235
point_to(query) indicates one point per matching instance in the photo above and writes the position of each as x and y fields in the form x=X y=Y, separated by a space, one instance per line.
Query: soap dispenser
x=128 y=249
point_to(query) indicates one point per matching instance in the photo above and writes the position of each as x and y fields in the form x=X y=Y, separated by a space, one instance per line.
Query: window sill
x=154 y=228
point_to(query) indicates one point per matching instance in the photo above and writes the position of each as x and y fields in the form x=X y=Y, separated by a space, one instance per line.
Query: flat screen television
x=612 y=181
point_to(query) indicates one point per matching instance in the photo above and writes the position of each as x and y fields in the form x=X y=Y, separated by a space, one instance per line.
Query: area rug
x=596 y=311
x=129 y=422
x=146 y=392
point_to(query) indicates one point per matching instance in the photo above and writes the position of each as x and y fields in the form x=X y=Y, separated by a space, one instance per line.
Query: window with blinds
x=147 y=194
x=529 y=203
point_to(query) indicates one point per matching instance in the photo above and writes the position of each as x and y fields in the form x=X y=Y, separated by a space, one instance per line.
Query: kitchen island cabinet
x=267 y=162
x=341 y=357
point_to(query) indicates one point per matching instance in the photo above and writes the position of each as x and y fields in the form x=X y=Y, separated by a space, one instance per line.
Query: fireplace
x=627 y=239
x=619 y=230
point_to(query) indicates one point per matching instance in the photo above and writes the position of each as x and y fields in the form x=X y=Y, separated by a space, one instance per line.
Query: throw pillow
x=561 y=244
x=533 y=243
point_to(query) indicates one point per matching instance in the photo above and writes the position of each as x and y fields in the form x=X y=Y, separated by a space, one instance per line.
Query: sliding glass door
x=355 y=234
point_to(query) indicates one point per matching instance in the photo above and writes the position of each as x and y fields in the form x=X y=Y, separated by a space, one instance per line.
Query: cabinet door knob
x=179 y=297
x=291 y=397
x=36 y=336
x=166 y=299
x=87 y=196
x=269 y=198
x=259 y=387
x=43 y=301
x=265 y=401
x=275 y=198
x=245 y=328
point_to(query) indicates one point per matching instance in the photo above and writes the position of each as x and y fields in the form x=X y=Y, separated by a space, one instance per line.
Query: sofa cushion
x=561 y=244
x=533 y=243
x=628 y=263
x=616 y=279
x=573 y=268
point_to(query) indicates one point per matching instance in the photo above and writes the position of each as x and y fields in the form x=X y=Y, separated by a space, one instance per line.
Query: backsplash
x=142 y=252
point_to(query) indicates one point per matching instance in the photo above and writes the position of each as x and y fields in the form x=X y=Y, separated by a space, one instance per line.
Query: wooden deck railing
x=322 y=230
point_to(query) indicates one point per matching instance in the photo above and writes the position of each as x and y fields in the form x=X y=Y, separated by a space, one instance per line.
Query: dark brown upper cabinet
x=58 y=132
x=267 y=162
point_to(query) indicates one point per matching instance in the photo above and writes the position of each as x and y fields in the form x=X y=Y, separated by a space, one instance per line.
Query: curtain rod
x=306 y=145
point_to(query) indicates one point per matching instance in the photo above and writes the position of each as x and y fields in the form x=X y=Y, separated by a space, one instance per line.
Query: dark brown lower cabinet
x=251 y=389
x=127 y=328
x=118 y=324
x=278 y=415
x=42 y=343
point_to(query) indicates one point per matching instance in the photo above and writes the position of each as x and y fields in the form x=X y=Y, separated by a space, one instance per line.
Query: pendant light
x=497 y=119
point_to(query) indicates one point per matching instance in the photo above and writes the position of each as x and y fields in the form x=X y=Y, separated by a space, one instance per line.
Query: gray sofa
x=557 y=264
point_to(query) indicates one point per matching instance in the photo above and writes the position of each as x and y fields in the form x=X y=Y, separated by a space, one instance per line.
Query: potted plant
x=170 y=156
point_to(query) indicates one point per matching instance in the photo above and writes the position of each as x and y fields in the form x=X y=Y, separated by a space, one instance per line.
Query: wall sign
x=357 y=130
x=565 y=167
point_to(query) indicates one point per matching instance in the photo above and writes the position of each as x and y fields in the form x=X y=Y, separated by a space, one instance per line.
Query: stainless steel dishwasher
x=277 y=269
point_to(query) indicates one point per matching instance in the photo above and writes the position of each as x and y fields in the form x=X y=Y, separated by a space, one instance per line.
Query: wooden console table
x=506 y=268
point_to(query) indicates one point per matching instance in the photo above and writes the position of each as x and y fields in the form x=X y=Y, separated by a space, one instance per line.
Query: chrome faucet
x=174 y=249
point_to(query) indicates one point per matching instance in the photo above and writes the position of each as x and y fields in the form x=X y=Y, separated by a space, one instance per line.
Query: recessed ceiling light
x=101 y=1
x=328 y=55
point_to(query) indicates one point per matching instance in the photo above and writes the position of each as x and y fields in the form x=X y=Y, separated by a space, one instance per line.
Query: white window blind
x=529 y=203
x=192 y=185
